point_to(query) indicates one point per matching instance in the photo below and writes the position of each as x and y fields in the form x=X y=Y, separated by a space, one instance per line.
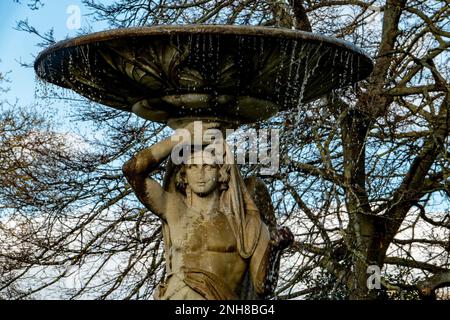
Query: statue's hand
x=282 y=238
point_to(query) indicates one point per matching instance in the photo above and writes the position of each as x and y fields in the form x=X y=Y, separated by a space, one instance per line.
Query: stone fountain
x=221 y=241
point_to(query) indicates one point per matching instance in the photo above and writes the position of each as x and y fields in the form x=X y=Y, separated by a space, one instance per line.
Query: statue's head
x=202 y=174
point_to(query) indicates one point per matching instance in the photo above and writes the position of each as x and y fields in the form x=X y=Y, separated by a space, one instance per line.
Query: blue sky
x=21 y=46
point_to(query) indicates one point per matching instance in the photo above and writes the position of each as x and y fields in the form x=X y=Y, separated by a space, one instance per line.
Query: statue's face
x=202 y=174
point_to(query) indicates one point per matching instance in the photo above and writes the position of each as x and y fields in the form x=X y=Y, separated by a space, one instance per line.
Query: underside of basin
x=235 y=73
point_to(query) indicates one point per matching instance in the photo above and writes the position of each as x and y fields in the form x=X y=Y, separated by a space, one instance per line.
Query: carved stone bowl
x=232 y=73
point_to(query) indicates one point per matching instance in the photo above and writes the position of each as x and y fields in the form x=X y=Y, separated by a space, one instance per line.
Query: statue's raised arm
x=137 y=170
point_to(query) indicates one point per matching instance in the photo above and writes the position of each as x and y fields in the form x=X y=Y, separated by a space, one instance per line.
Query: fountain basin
x=238 y=74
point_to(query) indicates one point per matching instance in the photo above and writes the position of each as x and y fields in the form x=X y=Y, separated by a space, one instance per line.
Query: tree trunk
x=367 y=251
x=365 y=229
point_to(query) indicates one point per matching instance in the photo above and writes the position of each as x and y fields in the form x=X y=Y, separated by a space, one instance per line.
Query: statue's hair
x=181 y=182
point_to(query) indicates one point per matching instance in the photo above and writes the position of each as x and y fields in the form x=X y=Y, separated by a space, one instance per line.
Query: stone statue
x=216 y=241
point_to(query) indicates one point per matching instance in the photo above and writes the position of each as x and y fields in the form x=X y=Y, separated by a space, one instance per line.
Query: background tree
x=364 y=175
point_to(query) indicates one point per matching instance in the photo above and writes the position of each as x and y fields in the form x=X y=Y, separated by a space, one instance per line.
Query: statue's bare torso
x=202 y=241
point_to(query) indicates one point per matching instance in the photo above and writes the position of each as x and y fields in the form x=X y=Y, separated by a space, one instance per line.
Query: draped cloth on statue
x=245 y=222
x=195 y=284
x=240 y=209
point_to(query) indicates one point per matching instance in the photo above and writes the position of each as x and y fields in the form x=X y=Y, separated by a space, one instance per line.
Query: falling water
x=308 y=72
x=280 y=71
x=289 y=77
x=284 y=71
